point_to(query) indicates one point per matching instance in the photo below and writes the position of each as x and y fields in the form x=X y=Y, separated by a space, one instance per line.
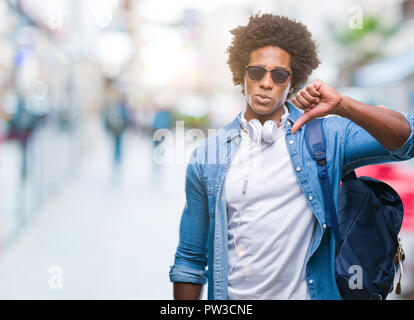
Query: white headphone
x=268 y=132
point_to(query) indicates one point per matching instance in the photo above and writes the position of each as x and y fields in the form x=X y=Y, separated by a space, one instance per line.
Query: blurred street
x=113 y=237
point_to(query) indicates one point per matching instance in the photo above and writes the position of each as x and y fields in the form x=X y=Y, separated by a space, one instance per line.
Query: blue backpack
x=368 y=250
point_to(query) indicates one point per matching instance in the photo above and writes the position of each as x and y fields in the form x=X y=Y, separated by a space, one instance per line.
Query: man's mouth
x=263 y=99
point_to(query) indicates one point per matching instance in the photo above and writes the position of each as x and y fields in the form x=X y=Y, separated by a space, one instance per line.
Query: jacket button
x=310 y=281
x=297 y=168
x=290 y=141
x=324 y=226
x=310 y=198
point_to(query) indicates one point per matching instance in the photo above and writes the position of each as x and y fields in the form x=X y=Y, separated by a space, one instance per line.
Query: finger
x=309 y=97
x=303 y=101
x=311 y=89
x=300 y=122
x=318 y=84
x=297 y=103
x=303 y=119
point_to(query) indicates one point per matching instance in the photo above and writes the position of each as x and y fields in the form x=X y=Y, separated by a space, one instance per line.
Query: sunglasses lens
x=255 y=73
x=279 y=76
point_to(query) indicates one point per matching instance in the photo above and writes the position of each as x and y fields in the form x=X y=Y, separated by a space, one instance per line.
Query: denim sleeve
x=191 y=255
x=361 y=149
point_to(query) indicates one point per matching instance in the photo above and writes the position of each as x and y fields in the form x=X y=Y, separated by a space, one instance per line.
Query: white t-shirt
x=274 y=234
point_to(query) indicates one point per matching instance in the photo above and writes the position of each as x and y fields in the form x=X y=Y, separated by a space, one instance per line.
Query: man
x=259 y=226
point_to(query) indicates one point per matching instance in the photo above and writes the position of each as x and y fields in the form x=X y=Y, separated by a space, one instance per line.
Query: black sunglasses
x=256 y=74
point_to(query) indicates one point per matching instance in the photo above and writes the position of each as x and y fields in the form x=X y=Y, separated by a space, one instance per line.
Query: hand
x=318 y=100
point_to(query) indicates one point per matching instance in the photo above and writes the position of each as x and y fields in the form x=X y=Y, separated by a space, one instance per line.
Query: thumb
x=303 y=119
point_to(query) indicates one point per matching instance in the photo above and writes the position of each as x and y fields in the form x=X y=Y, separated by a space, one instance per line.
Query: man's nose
x=267 y=82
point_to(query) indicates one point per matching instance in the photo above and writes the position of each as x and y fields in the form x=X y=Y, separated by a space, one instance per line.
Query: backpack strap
x=316 y=144
x=349 y=176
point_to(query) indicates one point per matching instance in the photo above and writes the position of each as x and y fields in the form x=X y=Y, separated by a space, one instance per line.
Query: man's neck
x=275 y=116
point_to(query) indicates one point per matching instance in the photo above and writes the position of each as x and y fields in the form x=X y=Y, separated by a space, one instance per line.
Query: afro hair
x=273 y=30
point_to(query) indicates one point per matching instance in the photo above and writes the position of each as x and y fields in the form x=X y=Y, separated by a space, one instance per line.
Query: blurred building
x=54 y=59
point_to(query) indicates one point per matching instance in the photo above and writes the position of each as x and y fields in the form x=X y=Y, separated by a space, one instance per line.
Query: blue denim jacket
x=203 y=225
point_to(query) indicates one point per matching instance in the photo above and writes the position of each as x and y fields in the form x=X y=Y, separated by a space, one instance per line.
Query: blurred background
x=89 y=205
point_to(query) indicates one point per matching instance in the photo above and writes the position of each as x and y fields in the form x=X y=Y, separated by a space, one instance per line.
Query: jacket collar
x=234 y=126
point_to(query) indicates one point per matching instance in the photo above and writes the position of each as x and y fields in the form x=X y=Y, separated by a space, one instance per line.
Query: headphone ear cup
x=270 y=131
x=255 y=130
